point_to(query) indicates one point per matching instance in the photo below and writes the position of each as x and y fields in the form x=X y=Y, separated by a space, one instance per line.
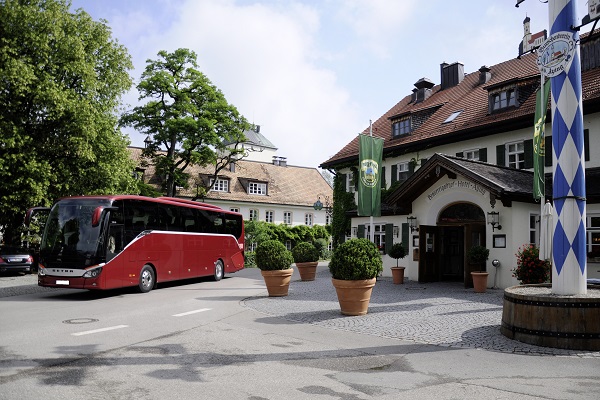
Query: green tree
x=62 y=78
x=342 y=202
x=186 y=115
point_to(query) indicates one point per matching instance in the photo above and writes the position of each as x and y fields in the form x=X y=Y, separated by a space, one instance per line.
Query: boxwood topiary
x=272 y=255
x=356 y=259
x=397 y=251
x=305 y=252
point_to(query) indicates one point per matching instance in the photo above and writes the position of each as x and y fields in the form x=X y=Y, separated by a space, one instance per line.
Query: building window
x=534 y=223
x=327 y=219
x=234 y=209
x=287 y=218
x=269 y=216
x=403 y=171
x=593 y=238
x=253 y=214
x=378 y=237
x=350 y=183
x=288 y=244
x=515 y=155
x=308 y=219
x=257 y=188
x=503 y=99
x=471 y=154
x=251 y=246
x=452 y=116
x=400 y=128
x=220 y=185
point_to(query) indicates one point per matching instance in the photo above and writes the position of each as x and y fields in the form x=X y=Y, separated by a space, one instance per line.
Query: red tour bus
x=107 y=242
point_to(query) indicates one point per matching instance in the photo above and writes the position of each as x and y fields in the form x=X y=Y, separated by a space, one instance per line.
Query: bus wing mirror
x=98 y=214
x=31 y=213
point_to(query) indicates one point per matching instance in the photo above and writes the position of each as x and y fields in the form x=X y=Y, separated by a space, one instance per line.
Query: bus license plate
x=62 y=282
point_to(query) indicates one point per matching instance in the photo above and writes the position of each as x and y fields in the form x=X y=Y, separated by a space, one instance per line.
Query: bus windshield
x=69 y=238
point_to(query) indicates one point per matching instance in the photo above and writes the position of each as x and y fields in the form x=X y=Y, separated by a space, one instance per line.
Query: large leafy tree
x=61 y=79
x=186 y=118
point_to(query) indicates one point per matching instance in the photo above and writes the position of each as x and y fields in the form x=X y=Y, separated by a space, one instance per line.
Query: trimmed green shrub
x=478 y=254
x=305 y=252
x=356 y=259
x=397 y=251
x=272 y=255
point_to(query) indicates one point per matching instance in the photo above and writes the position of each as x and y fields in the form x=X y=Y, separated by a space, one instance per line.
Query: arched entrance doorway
x=459 y=227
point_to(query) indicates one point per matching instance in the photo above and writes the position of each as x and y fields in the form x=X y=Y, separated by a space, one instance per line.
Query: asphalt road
x=200 y=339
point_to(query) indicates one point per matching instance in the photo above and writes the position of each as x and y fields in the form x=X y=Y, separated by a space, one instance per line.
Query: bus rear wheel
x=146 y=282
x=219 y=271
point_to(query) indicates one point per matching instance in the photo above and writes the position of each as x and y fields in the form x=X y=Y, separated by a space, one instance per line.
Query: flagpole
x=542 y=114
x=372 y=234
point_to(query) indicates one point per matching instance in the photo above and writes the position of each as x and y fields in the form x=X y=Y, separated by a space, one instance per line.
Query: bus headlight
x=92 y=273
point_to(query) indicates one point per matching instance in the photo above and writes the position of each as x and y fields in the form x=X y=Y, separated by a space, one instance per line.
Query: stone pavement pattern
x=441 y=314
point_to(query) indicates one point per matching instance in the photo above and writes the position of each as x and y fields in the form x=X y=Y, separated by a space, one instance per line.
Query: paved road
x=417 y=342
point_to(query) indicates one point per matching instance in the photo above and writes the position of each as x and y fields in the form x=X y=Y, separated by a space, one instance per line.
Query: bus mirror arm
x=32 y=212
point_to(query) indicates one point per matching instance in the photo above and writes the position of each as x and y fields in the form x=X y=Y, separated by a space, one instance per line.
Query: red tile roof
x=472 y=98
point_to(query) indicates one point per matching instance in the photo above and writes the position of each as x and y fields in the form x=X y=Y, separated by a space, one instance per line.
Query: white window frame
x=379 y=236
x=593 y=238
x=515 y=155
x=234 y=209
x=472 y=154
x=534 y=229
x=401 y=128
x=287 y=217
x=253 y=214
x=219 y=185
x=403 y=171
x=269 y=216
x=350 y=188
x=257 y=188
x=504 y=99
x=309 y=219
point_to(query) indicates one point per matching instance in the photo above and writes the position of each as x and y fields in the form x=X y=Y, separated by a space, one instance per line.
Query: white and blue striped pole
x=569 y=271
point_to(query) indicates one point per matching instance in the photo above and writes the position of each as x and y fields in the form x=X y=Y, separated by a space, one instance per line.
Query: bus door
x=112 y=246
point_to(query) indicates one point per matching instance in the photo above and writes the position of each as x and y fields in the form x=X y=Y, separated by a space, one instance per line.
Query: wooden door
x=428 y=253
x=474 y=236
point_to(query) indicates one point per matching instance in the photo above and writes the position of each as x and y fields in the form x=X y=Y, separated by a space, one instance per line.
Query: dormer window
x=401 y=127
x=503 y=99
x=220 y=185
x=258 y=188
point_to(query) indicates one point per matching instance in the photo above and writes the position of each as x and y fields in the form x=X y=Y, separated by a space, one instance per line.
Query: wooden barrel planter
x=532 y=314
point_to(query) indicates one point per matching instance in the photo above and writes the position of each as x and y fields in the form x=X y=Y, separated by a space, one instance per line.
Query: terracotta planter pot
x=398 y=275
x=479 y=281
x=354 y=296
x=278 y=281
x=307 y=270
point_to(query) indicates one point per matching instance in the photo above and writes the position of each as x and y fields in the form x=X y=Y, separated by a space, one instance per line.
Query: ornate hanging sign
x=556 y=54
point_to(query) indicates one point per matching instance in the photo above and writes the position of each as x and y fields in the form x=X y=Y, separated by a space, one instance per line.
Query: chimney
x=484 y=74
x=257 y=128
x=283 y=161
x=452 y=74
x=275 y=160
x=423 y=90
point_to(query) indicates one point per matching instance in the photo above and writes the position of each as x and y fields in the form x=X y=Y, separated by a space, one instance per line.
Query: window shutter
x=460 y=154
x=411 y=168
x=548 y=150
x=389 y=238
x=501 y=155
x=483 y=154
x=528 y=149
x=360 y=232
x=383 y=185
x=586 y=144
x=345 y=180
x=405 y=237
x=394 y=173
x=423 y=161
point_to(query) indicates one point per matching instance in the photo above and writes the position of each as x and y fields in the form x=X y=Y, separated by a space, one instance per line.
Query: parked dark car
x=15 y=259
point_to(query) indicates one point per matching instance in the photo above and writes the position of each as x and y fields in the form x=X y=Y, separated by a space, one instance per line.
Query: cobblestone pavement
x=441 y=314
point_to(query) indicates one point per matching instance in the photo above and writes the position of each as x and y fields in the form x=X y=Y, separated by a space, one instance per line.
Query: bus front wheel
x=146 y=279
x=219 y=270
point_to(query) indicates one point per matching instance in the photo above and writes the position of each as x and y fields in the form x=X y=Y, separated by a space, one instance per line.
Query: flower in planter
x=530 y=269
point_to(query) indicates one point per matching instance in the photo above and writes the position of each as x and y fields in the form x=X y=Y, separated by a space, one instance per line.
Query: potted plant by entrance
x=275 y=263
x=306 y=257
x=354 y=267
x=478 y=255
x=397 y=251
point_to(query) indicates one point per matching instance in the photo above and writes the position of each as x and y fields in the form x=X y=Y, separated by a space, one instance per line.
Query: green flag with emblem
x=369 y=180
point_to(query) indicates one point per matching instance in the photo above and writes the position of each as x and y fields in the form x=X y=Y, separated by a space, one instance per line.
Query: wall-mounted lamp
x=493 y=218
x=412 y=223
